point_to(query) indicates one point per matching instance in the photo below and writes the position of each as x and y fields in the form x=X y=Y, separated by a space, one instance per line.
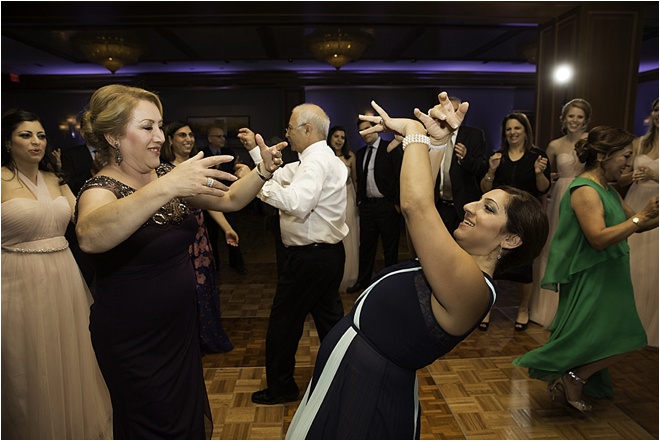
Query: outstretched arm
x=245 y=189
x=447 y=267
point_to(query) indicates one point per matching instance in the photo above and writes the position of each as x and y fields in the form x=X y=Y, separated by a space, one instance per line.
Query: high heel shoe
x=520 y=326
x=559 y=394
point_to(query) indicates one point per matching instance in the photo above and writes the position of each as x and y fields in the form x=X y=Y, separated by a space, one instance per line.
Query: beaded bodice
x=174 y=212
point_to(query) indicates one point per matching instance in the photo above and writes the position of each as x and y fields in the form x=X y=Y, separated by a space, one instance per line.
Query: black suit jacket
x=466 y=174
x=225 y=166
x=77 y=166
x=387 y=169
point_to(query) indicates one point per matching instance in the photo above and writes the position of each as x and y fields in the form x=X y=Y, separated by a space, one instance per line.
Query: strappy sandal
x=559 y=394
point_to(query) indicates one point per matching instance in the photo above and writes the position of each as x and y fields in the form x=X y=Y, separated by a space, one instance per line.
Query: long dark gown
x=144 y=327
x=212 y=336
x=365 y=384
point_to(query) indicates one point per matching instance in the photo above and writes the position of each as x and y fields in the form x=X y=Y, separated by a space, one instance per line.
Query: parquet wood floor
x=474 y=392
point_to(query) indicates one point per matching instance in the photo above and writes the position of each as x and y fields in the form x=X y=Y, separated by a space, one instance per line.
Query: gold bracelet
x=489 y=179
x=263 y=178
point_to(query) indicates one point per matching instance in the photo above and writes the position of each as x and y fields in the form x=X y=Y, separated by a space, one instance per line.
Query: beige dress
x=644 y=254
x=543 y=303
x=352 y=240
x=51 y=384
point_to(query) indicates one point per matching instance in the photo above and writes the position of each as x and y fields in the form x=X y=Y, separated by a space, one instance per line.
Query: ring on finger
x=381 y=122
x=209 y=182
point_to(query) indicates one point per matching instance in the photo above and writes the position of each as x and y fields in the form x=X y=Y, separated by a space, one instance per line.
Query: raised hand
x=57 y=154
x=383 y=122
x=643 y=174
x=272 y=156
x=460 y=150
x=247 y=138
x=494 y=161
x=540 y=164
x=441 y=120
x=195 y=176
x=650 y=211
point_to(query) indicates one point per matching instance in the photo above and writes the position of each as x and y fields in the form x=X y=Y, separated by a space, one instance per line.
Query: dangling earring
x=8 y=145
x=499 y=256
x=118 y=157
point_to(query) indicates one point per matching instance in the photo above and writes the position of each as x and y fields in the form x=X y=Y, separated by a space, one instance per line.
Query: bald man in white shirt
x=311 y=198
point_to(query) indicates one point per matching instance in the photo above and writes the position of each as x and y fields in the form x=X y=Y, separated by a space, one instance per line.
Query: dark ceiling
x=263 y=38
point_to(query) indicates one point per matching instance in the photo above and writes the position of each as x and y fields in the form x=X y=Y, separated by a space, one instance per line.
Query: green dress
x=596 y=317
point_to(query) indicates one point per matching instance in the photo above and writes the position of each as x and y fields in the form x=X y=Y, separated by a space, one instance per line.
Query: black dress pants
x=448 y=214
x=378 y=218
x=309 y=283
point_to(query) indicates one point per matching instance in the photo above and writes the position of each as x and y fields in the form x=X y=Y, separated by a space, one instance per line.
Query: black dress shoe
x=240 y=269
x=264 y=397
x=355 y=288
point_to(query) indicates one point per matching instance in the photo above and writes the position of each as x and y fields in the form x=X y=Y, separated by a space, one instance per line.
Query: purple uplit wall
x=646 y=93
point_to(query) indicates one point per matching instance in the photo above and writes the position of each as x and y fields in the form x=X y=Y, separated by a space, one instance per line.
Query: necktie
x=363 y=187
x=445 y=188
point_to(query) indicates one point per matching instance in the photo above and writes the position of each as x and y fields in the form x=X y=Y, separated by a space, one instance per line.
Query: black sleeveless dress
x=144 y=327
x=365 y=384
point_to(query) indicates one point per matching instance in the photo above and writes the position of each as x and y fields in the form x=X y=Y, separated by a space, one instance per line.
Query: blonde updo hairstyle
x=109 y=112
x=602 y=140
x=577 y=103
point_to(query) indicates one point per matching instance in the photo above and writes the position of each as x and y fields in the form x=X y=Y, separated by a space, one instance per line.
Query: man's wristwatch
x=635 y=220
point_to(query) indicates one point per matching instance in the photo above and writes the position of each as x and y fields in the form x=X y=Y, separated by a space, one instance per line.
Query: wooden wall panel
x=602 y=42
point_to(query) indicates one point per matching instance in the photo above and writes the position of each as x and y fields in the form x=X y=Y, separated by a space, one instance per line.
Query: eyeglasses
x=217 y=136
x=288 y=128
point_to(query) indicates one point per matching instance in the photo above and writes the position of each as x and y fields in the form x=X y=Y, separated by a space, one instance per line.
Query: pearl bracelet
x=438 y=147
x=414 y=139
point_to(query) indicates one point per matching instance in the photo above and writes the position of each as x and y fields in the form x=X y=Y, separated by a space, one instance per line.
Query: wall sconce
x=338 y=48
x=70 y=126
x=110 y=51
x=563 y=74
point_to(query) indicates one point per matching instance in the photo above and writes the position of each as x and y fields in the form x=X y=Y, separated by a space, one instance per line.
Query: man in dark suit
x=217 y=142
x=77 y=164
x=378 y=201
x=468 y=162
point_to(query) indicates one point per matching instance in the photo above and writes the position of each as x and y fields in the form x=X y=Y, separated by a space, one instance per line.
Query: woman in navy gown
x=179 y=147
x=134 y=219
x=364 y=384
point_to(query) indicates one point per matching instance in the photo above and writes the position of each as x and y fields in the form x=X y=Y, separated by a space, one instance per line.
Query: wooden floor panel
x=474 y=392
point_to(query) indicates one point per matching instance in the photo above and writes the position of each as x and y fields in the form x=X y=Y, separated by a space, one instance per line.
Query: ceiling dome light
x=110 y=51
x=338 y=48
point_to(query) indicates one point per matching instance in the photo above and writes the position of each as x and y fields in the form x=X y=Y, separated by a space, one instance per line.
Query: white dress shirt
x=445 y=181
x=372 y=188
x=311 y=197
